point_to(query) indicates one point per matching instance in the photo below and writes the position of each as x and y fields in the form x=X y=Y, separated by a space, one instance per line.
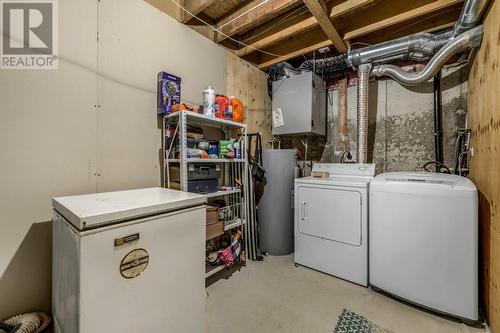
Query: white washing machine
x=424 y=240
x=331 y=220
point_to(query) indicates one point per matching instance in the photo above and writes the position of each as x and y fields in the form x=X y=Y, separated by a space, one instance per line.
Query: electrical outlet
x=324 y=50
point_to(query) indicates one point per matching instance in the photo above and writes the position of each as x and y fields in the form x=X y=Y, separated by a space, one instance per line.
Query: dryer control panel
x=345 y=169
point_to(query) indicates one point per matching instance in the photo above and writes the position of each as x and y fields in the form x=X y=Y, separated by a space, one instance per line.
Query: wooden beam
x=196 y=21
x=384 y=33
x=251 y=15
x=411 y=14
x=294 y=54
x=342 y=121
x=337 y=9
x=308 y=23
x=318 y=9
x=279 y=35
x=195 y=7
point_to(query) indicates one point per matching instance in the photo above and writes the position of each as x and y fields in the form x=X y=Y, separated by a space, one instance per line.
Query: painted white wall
x=55 y=141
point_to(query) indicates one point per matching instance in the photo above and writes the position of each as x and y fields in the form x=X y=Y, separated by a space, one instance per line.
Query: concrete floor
x=276 y=296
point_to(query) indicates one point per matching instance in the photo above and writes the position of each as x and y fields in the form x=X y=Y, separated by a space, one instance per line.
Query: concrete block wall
x=401 y=123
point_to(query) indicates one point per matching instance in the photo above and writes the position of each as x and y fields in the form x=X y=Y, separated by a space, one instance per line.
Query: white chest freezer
x=424 y=240
x=129 y=261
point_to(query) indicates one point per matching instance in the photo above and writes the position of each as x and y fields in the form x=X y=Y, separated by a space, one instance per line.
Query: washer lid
x=92 y=210
x=423 y=180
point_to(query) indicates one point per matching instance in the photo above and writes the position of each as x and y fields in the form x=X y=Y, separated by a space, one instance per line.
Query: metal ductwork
x=362 y=112
x=469 y=39
x=417 y=47
x=468 y=17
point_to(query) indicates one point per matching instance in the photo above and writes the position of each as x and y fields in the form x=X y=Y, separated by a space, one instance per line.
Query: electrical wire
x=243 y=14
x=287 y=17
x=361 y=43
x=222 y=33
x=421 y=20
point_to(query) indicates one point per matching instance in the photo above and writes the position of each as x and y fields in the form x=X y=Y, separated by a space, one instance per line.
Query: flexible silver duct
x=466 y=40
x=362 y=134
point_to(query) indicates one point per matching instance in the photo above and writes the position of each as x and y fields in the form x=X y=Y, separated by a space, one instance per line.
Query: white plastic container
x=209 y=102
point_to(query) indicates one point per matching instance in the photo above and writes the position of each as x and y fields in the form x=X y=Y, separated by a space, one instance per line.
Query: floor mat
x=350 y=322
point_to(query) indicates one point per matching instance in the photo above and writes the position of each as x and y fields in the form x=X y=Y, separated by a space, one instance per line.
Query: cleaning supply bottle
x=209 y=101
x=238 y=109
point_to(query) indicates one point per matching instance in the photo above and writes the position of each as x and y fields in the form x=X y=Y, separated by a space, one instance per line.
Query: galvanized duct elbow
x=468 y=17
x=418 y=47
x=362 y=112
x=466 y=40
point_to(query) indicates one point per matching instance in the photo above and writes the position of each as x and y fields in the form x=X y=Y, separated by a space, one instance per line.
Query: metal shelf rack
x=231 y=169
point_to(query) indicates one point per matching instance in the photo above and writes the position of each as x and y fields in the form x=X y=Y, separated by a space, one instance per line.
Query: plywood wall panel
x=249 y=84
x=484 y=120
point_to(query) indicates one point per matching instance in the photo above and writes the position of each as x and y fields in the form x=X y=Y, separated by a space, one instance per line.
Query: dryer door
x=330 y=213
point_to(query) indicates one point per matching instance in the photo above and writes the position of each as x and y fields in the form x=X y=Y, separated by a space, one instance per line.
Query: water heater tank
x=275 y=209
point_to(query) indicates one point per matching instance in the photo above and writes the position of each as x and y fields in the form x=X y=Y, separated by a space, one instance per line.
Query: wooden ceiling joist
x=319 y=10
x=266 y=32
x=297 y=53
x=417 y=12
x=440 y=21
x=278 y=35
x=308 y=23
x=250 y=15
x=195 y=7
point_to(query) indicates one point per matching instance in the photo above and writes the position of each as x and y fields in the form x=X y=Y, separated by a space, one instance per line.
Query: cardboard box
x=215 y=230
x=169 y=92
x=212 y=214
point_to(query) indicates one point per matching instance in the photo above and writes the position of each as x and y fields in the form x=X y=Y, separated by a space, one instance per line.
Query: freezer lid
x=92 y=210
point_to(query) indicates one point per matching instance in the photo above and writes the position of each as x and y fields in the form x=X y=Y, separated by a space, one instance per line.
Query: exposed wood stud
x=420 y=11
x=197 y=20
x=279 y=35
x=292 y=28
x=294 y=54
x=342 y=121
x=195 y=7
x=251 y=15
x=441 y=21
x=335 y=11
x=318 y=9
